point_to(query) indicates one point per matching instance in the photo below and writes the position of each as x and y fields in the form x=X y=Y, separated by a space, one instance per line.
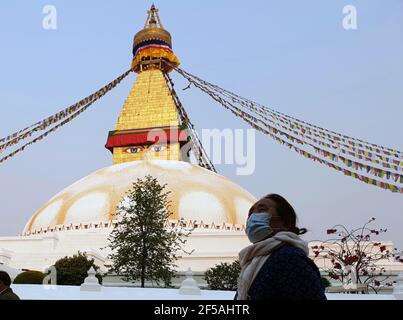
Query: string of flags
x=44 y=135
x=305 y=126
x=384 y=161
x=298 y=140
x=334 y=146
x=337 y=151
x=59 y=119
x=197 y=147
x=303 y=137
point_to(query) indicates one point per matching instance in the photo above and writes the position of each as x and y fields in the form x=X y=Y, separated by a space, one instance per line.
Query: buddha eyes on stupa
x=134 y=150
x=157 y=148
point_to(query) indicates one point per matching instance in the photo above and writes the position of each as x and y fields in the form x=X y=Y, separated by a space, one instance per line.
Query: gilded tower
x=148 y=126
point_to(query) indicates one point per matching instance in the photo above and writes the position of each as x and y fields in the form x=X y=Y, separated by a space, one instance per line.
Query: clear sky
x=294 y=56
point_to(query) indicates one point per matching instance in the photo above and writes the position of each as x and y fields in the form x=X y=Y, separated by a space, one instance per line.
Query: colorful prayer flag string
x=79 y=108
x=17 y=137
x=274 y=132
x=322 y=132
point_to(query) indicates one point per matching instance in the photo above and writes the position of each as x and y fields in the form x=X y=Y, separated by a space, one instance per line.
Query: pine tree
x=143 y=248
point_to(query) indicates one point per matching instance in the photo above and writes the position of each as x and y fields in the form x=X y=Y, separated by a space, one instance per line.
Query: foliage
x=30 y=277
x=325 y=282
x=353 y=258
x=143 y=248
x=223 y=276
x=72 y=271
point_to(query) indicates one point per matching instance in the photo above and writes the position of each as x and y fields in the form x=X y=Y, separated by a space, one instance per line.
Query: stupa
x=147 y=139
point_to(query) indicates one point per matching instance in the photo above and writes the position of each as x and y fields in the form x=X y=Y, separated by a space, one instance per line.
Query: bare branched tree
x=353 y=258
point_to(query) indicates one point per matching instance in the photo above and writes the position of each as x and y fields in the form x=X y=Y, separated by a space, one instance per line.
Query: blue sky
x=293 y=56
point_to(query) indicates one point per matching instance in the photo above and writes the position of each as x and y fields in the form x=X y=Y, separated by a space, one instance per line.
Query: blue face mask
x=258 y=226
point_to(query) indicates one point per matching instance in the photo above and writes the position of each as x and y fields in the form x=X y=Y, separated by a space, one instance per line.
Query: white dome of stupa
x=197 y=194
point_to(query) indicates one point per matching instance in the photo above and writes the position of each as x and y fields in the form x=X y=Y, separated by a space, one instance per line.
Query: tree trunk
x=142 y=279
x=143 y=265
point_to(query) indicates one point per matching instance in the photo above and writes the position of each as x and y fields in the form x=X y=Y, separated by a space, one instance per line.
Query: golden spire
x=150 y=107
x=151 y=19
x=152 y=46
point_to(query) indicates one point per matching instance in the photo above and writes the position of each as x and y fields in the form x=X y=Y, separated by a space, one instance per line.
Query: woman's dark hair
x=5 y=278
x=286 y=212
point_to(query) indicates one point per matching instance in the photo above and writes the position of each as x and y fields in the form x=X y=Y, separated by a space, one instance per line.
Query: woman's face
x=269 y=206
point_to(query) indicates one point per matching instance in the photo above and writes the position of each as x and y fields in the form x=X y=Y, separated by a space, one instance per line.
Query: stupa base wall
x=38 y=252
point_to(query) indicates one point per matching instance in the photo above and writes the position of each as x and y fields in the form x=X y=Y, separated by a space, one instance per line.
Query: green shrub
x=30 y=277
x=72 y=271
x=223 y=276
x=326 y=283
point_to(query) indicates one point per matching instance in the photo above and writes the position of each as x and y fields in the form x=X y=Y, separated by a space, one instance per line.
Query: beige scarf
x=253 y=257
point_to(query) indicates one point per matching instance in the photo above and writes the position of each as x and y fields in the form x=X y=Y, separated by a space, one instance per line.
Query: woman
x=276 y=265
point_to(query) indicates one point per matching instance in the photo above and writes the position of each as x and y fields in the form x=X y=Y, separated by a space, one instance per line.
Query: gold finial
x=153 y=19
x=152 y=46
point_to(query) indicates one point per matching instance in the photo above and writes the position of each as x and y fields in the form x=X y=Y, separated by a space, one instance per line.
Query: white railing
x=109 y=224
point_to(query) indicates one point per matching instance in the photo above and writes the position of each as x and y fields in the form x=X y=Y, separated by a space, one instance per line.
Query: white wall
x=39 y=292
x=41 y=251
